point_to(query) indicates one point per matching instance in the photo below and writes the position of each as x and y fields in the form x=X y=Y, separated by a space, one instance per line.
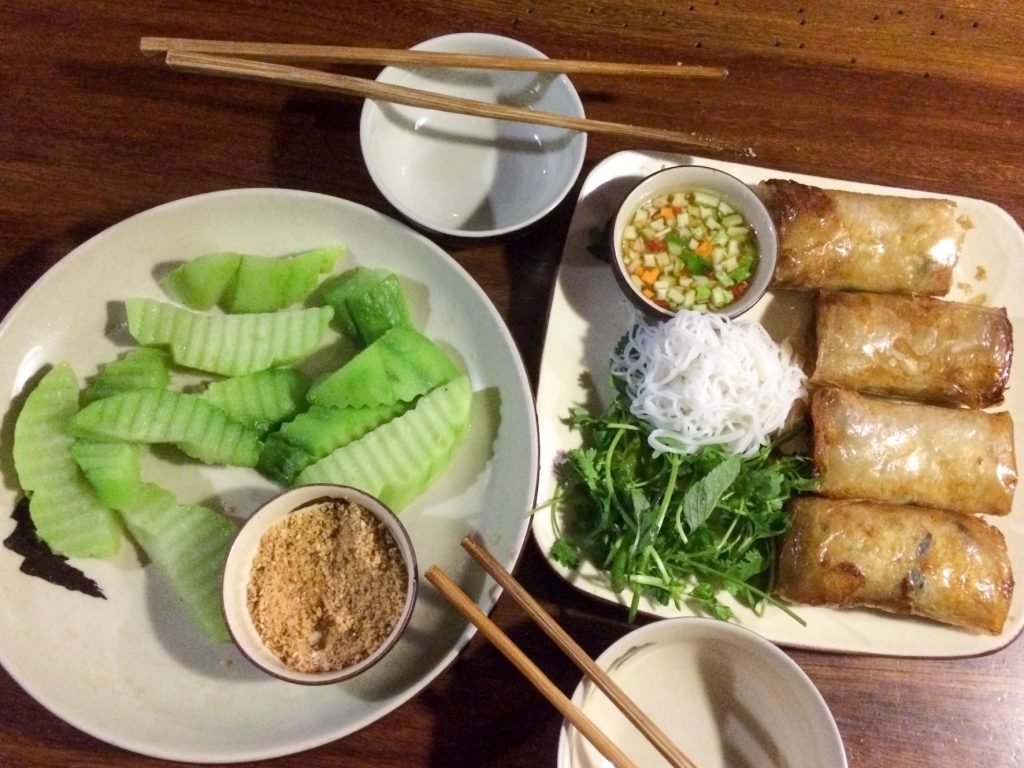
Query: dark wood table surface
x=927 y=96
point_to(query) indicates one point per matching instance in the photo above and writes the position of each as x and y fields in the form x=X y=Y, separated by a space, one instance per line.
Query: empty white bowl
x=725 y=695
x=238 y=569
x=741 y=197
x=467 y=176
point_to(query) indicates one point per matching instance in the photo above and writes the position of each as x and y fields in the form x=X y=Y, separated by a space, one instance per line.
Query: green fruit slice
x=265 y=284
x=230 y=345
x=112 y=469
x=397 y=460
x=367 y=303
x=199 y=428
x=201 y=282
x=314 y=434
x=143 y=368
x=398 y=367
x=188 y=544
x=67 y=515
x=262 y=399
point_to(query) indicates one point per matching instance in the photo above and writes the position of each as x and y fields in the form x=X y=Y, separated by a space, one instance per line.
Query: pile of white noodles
x=701 y=379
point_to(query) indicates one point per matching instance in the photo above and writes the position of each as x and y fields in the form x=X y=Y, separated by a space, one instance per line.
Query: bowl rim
x=370 y=113
x=739 y=194
x=237 y=567
x=703 y=630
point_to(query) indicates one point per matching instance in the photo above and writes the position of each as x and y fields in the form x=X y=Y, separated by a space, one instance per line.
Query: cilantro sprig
x=675 y=528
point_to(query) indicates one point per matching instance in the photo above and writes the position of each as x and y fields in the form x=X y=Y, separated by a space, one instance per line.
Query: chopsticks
x=227 y=66
x=340 y=54
x=521 y=661
x=615 y=694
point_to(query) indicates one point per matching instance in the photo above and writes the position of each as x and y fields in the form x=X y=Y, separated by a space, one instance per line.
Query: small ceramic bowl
x=467 y=176
x=723 y=694
x=726 y=186
x=239 y=567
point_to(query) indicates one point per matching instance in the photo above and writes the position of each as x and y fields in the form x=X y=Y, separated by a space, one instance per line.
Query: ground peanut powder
x=327 y=586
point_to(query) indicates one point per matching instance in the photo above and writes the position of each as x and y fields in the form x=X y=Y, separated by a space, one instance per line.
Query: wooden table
x=920 y=95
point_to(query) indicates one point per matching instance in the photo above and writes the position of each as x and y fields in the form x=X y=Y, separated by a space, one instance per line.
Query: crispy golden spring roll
x=920 y=561
x=909 y=453
x=915 y=347
x=865 y=242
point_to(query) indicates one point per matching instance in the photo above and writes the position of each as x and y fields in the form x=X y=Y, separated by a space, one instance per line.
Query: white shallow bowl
x=239 y=566
x=467 y=176
x=724 y=694
x=680 y=178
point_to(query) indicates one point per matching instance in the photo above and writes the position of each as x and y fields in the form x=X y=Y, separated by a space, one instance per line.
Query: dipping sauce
x=327 y=587
x=689 y=250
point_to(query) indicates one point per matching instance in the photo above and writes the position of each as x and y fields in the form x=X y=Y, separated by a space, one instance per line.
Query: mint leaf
x=703 y=496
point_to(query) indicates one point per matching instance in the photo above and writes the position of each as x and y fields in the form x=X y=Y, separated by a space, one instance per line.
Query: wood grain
x=917 y=95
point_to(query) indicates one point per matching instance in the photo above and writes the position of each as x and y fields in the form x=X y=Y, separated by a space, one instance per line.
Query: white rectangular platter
x=589 y=314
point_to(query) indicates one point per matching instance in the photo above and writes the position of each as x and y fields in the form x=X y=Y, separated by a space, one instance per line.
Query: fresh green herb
x=674 y=528
x=695 y=265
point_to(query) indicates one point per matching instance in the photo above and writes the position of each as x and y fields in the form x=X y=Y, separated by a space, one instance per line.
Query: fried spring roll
x=865 y=242
x=913 y=346
x=909 y=453
x=908 y=560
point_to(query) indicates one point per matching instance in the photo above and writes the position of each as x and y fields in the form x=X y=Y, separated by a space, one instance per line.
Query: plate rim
x=640 y=163
x=488 y=593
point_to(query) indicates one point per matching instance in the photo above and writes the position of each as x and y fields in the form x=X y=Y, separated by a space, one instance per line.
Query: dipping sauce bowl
x=673 y=266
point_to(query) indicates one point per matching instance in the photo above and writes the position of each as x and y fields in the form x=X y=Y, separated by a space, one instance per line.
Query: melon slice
x=399 y=459
x=230 y=345
x=312 y=435
x=200 y=283
x=367 y=303
x=196 y=426
x=187 y=543
x=262 y=399
x=265 y=284
x=398 y=367
x=66 y=512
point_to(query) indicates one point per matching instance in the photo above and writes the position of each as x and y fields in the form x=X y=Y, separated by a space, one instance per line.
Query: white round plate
x=129 y=669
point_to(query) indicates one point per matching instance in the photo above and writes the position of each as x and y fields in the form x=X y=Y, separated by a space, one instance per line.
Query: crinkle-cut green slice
x=397 y=460
x=41 y=441
x=188 y=544
x=315 y=433
x=266 y=284
x=367 y=303
x=321 y=429
x=66 y=513
x=142 y=368
x=230 y=345
x=112 y=469
x=72 y=520
x=398 y=367
x=200 y=283
x=199 y=428
x=156 y=323
x=260 y=399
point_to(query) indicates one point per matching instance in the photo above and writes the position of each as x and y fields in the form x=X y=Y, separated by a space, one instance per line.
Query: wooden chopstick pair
x=598 y=676
x=259 y=61
x=298 y=53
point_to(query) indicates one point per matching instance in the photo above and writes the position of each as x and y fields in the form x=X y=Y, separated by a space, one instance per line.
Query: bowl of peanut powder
x=319 y=584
